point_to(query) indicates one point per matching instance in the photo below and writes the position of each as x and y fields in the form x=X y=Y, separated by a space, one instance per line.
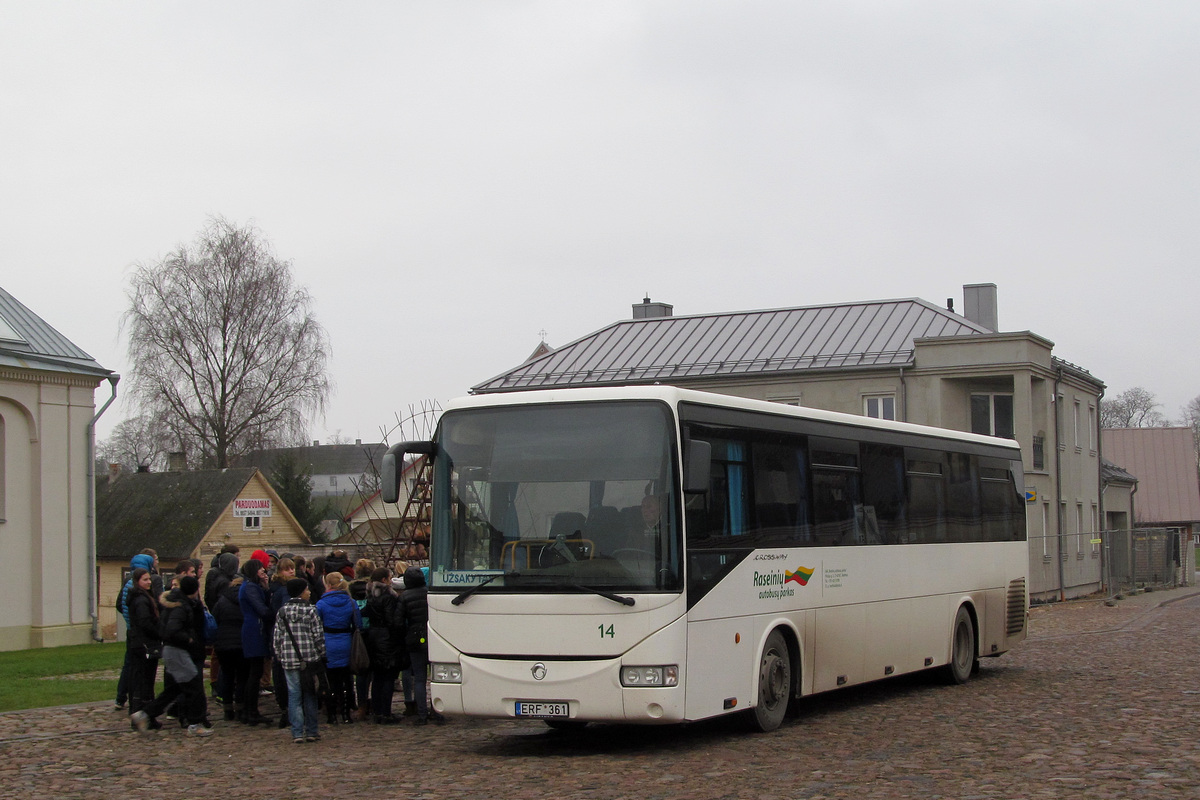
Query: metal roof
x=29 y=342
x=787 y=340
x=1164 y=461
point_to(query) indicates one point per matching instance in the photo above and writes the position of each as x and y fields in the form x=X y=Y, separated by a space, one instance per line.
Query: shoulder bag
x=360 y=659
x=313 y=678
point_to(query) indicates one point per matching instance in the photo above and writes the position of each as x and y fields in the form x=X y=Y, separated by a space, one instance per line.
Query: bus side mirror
x=697 y=467
x=393 y=466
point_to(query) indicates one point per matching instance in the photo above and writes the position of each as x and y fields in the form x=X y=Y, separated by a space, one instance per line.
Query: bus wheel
x=774 y=684
x=962 y=649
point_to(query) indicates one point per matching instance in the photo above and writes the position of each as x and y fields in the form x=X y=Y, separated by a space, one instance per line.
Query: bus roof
x=673 y=396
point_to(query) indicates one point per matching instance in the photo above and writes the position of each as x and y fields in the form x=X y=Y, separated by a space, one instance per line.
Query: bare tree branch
x=1132 y=408
x=224 y=346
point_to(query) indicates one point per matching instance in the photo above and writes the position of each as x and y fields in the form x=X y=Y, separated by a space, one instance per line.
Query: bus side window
x=926 y=496
x=883 y=491
x=836 y=492
x=780 y=513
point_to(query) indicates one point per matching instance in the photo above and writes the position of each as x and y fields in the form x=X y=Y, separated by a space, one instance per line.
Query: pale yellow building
x=47 y=425
x=184 y=515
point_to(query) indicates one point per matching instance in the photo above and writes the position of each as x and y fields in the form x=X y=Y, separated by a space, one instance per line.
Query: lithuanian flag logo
x=800 y=576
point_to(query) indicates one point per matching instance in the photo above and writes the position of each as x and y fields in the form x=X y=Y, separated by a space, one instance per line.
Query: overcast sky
x=450 y=179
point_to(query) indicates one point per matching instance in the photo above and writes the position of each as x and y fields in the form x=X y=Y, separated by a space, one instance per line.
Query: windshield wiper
x=616 y=598
x=458 y=600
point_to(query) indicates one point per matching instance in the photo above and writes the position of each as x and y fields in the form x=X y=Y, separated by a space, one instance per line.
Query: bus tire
x=774 y=684
x=962 y=649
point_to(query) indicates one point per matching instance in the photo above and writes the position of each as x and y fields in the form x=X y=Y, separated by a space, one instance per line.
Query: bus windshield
x=561 y=497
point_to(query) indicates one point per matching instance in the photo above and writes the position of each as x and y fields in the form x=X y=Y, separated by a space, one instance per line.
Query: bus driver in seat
x=651 y=515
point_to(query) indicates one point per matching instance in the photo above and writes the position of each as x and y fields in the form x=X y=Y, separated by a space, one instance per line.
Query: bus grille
x=1016 y=606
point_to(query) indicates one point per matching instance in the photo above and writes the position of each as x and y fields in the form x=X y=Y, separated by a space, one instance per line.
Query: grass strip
x=57 y=676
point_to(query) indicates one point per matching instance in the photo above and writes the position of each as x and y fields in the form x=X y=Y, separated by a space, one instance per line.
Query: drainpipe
x=1104 y=556
x=1062 y=589
x=93 y=601
x=903 y=397
x=1132 y=547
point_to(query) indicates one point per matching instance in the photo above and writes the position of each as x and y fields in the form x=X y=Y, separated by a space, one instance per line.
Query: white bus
x=659 y=555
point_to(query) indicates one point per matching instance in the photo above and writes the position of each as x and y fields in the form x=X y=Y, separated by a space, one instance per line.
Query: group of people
x=276 y=625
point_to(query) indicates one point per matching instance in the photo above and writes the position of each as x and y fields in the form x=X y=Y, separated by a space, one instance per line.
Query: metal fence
x=1109 y=561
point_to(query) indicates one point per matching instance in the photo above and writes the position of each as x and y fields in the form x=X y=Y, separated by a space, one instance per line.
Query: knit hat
x=296 y=587
x=261 y=557
x=189 y=585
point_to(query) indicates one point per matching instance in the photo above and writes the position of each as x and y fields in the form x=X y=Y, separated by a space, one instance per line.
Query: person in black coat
x=414 y=611
x=385 y=644
x=182 y=628
x=228 y=647
x=143 y=642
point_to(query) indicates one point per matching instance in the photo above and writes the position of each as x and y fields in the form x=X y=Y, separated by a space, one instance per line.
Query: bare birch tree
x=224 y=347
x=141 y=441
x=1132 y=408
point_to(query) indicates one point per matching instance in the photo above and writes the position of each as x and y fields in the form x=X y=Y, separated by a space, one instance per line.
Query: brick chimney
x=176 y=462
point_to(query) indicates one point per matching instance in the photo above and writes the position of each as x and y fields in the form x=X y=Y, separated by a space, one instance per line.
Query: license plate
x=542 y=709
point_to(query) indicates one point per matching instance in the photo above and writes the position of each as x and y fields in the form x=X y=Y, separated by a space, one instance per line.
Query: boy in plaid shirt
x=299 y=638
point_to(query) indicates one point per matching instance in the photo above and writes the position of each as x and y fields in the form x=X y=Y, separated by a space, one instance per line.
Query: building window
x=992 y=415
x=1045 y=530
x=1079 y=528
x=1039 y=452
x=333 y=481
x=252 y=523
x=882 y=406
x=1092 y=429
x=1095 y=529
x=786 y=399
x=1078 y=438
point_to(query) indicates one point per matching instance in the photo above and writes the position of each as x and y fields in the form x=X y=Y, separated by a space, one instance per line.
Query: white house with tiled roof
x=47 y=533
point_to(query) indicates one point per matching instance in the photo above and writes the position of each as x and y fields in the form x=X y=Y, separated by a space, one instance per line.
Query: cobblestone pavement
x=1099 y=702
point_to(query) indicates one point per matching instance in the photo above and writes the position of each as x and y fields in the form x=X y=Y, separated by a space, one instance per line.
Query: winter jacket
x=336 y=563
x=304 y=628
x=181 y=623
x=339 y=617
x=414 y=608
x=228 y=613
x=225 y=566
x=279 y=594
x=140 y=561
x=358 y=593
x=143 y=632
x=278 y=598
x=256 y=616
x=385 y=628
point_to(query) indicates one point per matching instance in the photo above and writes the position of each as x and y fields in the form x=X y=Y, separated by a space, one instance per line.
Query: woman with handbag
x=142 y=642
x=341 y=621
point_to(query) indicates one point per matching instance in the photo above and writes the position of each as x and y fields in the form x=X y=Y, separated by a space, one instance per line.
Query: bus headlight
x=667 y=675
x=446 y=673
